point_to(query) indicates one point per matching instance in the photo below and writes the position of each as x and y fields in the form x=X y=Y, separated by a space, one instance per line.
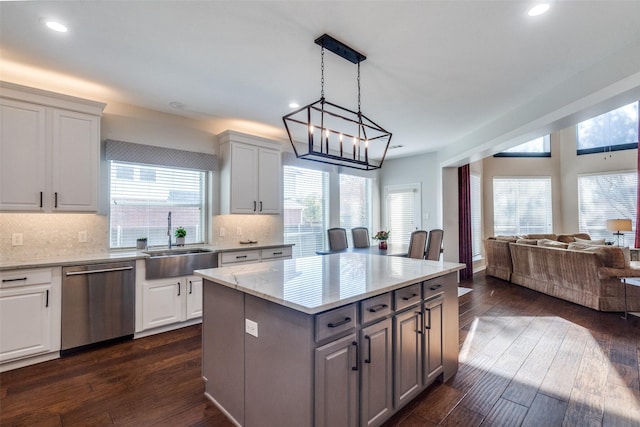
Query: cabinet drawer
x=240 y=256
x=432 y=287
x=408 y=296
x=335 y=321
x=25 y=277
x=275 y=253
x=375 y=308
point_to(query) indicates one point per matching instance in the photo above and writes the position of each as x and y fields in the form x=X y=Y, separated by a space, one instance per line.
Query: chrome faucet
x=169 y=228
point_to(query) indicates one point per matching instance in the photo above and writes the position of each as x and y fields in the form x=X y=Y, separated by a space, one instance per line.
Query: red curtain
x=465 y=251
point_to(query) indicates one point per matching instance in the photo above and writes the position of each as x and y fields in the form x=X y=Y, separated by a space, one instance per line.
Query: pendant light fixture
x=328 y=133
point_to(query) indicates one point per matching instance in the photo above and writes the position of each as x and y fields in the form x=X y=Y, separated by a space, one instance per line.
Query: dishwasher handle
x=102 y=270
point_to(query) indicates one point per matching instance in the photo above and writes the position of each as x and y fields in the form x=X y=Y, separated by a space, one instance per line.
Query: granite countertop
x=126 y=255
x=315 y=284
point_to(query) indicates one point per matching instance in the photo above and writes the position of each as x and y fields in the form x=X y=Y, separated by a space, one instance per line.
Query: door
x=244 y=179
x=269 y=187
x=376 y=393
x=433 y=338
x=162 y=302
x=25 y=321
x=336 y=383
x=194 y=297
x=408 y=352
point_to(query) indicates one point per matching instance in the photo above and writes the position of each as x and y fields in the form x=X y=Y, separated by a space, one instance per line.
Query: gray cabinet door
x=433 y=339
x=376 y=393
x=408 y=345
x=336 y=383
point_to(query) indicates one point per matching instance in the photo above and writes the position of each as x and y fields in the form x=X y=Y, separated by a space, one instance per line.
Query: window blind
x=522 y=206
x=403 y=212
x=355 y=203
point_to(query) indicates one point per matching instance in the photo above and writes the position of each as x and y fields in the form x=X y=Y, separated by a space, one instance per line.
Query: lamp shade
x=618 y=225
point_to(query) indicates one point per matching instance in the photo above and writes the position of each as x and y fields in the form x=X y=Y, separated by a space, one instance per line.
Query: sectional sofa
x=569 y=267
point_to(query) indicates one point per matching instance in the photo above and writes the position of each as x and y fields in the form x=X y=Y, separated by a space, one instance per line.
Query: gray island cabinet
x=337 y=340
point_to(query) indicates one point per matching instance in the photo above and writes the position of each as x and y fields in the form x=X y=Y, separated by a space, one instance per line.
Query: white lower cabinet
x=30 y=307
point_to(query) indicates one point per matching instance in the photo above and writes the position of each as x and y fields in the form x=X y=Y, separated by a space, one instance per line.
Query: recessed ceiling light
x=55 y=25
x=539 y=9
x=293 y=105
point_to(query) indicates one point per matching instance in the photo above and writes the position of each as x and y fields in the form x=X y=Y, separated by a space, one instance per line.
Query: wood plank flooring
x=526 y=359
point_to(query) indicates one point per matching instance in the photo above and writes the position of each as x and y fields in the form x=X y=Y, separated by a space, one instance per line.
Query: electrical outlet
x=251 y=327
x=221 y=232
x=16 y=239
x=82 y=236
x=238 y=231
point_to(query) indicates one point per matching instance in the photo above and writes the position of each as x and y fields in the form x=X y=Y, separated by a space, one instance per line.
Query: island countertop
x=315 y=284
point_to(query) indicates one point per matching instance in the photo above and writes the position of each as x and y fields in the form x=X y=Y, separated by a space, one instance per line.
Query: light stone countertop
x=126 y=255
x=319 y=283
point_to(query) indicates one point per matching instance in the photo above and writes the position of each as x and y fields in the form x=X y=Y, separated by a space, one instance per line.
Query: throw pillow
x=527 y=241
x=579 y=246
x=541 y=236
x=612 y=256
x=583 y=236
x=598 y=242
x=552 y=244
x=566 y=238
x=507 y=238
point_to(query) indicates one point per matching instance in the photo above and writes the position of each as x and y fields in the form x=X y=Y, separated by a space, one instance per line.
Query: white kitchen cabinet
x=254 y=255
x=49 y=151
x=250 y=175
x=30 y=307
x=194 y=297
x=162 y=302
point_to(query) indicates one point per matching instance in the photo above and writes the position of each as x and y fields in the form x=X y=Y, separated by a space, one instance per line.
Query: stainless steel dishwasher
x=98 y=304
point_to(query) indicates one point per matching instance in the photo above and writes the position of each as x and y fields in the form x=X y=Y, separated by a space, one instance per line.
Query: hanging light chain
x=358 y=86
x=322 y=73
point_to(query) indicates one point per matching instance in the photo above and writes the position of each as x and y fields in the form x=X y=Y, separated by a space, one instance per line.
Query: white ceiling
x=461 y=78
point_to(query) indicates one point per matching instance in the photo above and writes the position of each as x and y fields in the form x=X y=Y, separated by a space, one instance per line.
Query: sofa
x=566 y=267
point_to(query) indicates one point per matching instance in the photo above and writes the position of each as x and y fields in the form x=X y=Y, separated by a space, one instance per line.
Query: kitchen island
x=340 y=339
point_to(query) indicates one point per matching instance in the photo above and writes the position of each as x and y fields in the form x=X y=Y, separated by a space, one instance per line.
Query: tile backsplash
x=263 y=228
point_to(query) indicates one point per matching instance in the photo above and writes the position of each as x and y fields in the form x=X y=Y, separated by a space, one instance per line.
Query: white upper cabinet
x=49 y=151
x=250 y=175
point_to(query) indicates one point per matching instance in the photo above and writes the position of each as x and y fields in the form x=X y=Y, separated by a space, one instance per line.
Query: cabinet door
x=75 y=161
x=376 y=393
x=433 y=339
x=244 y=179
x=162 y=302
x=194 y=297
x=22 y=156
x=336 y=383
x=408 y=355
x=25 y=321
x=269 y=182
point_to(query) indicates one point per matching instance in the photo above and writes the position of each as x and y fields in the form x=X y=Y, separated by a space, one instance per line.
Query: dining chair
x=417 y=243
x=360 y=237
x=434 y=244
x=337 y=239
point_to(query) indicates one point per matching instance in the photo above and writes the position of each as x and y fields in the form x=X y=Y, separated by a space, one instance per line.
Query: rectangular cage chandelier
x=328 y=133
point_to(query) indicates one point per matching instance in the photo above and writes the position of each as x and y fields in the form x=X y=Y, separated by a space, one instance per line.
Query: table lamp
x=617 y=226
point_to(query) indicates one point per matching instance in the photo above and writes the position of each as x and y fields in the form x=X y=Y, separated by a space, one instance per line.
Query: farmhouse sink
x=161 y=264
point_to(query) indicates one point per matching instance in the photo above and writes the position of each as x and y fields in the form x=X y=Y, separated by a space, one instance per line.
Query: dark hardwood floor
x=525 y=359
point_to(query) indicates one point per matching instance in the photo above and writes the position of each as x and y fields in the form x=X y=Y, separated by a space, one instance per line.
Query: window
x=522 y=206
x=141 y=197
x=539 y=147
x=403 y=211
x=355 y=203
x=612 y=131
x=476 y=216
x=607 y=196
x=306 y=195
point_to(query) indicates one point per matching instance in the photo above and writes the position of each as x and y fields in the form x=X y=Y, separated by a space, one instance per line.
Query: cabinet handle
x=240 y=256
x=179 y=288
x=421 y=327
x=254 y=205
x=260 y=205
x=428 y=310
x=375 y=308
x=41 y=199
x=46 y=304
x=56 y=200
x=190 y=287
x=340 y=323
x=433 y=288
x=368 y=339
x=14 y=280
x=355 y=367
x=277 y=253
x=410 y=298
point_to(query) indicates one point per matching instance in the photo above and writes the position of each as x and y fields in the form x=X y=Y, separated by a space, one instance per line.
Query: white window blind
x=355 y=203
x=522 y=206
x=141 y=197
x=306 y=195
x=607 y=196
x=476 y=216
x=403 y=212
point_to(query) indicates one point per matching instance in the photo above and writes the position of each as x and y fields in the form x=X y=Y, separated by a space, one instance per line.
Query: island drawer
x=408 y=296
x=275 y=253
x=26 y=277
x=335 y=321
x=375 y=308
x=239 y=256
x=432 y=287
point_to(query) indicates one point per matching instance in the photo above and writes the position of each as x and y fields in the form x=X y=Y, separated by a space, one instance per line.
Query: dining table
x=393 y=249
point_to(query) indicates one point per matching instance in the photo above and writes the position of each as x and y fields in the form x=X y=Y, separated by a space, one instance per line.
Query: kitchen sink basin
x=161 y=264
